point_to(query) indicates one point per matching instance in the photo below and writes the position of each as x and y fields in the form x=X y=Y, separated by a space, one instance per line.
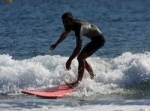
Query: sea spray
x=113 y=75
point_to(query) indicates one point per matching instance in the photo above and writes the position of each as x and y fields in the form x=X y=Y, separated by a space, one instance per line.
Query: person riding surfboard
x=81 y=28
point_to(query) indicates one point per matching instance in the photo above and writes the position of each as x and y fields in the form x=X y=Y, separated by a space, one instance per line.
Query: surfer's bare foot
x=72 y=85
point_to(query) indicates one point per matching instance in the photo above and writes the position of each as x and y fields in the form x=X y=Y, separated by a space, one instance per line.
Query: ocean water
x=122 y=66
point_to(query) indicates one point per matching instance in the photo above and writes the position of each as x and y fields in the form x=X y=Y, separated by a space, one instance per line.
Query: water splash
x=112 y=74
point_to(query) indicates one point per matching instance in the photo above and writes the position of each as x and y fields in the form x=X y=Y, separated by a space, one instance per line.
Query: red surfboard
x=50 y=93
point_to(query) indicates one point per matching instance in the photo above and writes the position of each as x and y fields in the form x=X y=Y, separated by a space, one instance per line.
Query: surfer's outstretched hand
x=53 y=46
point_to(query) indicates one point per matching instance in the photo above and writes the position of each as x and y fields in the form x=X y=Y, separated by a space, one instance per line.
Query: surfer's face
x=67 y=22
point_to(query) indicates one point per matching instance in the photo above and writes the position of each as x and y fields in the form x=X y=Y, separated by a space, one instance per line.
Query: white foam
x=111 y=73
x=103 y=108
x=35 y=107
x=69 y=105
x=134 y=67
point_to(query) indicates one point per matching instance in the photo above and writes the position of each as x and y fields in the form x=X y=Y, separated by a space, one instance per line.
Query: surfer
x=81 y=28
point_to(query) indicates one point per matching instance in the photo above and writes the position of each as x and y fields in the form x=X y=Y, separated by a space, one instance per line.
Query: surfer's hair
x=67 y=15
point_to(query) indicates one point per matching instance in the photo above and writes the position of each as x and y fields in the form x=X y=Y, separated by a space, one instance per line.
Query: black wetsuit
x=90 y=31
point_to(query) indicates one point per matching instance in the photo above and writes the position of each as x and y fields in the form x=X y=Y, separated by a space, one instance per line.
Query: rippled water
x=29 y=27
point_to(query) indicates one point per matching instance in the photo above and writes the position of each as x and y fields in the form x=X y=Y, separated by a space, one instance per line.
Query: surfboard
x=50 y=92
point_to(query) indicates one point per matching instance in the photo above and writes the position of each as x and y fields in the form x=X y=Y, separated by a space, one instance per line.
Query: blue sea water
x=122 y=66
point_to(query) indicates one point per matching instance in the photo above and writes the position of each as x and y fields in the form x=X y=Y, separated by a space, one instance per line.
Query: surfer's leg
x=81 y=60
x=89 y=69
x=89 y=50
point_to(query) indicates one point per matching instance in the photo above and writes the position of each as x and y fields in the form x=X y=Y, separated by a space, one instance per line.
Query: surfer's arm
x=77 y=49
x=61 y=38
x=78 y=44
x=75 y=53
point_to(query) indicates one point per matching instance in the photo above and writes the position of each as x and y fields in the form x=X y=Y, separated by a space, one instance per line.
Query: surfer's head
x=67 y=19
x=67 y=15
